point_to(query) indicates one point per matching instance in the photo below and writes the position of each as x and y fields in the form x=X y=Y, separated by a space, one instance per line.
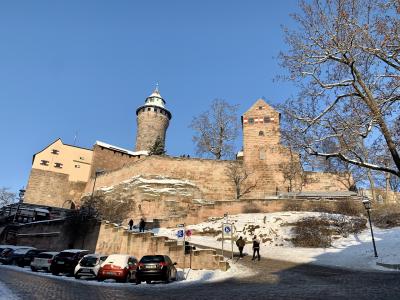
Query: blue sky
x=85 y=66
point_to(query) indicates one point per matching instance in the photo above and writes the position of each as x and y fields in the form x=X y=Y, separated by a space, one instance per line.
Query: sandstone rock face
x=157 y=197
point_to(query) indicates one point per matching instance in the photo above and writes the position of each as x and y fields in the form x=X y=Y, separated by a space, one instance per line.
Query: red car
x=121 y=267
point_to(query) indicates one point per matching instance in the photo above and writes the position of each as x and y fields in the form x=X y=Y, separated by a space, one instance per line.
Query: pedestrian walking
x=130 y=224
x=256 y=248
x=142 y=225
x=240 y=243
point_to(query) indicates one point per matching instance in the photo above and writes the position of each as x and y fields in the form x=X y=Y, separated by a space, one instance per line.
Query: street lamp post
x=367 y=205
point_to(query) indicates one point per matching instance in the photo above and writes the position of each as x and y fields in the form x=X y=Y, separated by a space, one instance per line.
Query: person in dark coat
x=240 y=243
x=142 y=225
x=256 y=248
x=130 y=224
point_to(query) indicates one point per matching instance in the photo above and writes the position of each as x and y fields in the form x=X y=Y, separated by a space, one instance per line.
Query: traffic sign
x=188 y=232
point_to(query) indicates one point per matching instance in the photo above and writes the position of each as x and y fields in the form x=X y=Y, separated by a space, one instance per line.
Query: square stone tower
x=262 y=150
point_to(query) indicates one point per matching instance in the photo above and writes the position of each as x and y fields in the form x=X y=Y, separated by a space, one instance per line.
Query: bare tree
x=240 y=177
x=216 y=130
x=344 y=58
x=107 y=208
x=293 y=172
x=6 y=197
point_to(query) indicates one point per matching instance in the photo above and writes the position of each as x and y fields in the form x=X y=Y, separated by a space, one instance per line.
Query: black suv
x=155 y=267
x=66 y=261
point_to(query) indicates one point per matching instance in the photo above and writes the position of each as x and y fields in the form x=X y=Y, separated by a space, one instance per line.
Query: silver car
x=43 y=261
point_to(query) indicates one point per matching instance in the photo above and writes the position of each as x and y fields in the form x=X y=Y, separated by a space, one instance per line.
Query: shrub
x=313 y=232
x=386 y=215
x=349 y=207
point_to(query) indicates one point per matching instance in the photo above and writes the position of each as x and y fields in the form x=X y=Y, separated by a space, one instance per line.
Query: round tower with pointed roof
x=152 y=121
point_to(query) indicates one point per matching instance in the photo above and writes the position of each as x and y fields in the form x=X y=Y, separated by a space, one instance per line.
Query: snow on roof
x=117 y=259
x=119 y=149
x=74 y=250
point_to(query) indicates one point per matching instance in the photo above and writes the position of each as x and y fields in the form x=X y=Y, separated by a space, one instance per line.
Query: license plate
x=151 y=267
x=110 y=273
x=60 y=262
x=85 y=270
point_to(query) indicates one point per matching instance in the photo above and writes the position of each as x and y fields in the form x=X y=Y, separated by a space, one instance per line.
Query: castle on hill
x=62 y=174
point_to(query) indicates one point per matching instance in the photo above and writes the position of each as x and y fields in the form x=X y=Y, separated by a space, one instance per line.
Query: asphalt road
x=274 y=280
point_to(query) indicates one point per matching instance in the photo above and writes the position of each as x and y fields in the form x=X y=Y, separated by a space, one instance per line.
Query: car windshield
x=45 y=255
x=89 y=261
x=152 y=259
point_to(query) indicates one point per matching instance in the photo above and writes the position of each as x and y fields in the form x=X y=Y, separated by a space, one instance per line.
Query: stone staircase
x=114 y=239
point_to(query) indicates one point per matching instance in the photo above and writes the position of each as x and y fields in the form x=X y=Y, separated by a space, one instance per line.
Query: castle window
x=44 y=162
x=262 y=154
x=77 y=166
x=55 y=151
x=149 y=109
x=143 y=109
x=81 y=158
x=58 y=165
x=260 y=107
x=155 y=110
x=267 y=119
x=251 y=120
x=261 y=133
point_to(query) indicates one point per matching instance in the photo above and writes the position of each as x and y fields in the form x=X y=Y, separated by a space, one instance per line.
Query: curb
x=389 y=266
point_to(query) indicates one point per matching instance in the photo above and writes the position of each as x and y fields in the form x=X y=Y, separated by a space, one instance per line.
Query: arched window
x=251 y=120
x=261 y=133
x=267 y=119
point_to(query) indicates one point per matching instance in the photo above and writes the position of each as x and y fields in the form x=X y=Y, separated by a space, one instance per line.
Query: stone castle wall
x=208 y=175
x=52 y=189
x=109 y=160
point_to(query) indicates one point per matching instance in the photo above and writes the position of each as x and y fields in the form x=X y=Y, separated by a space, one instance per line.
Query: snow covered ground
x=355 y=251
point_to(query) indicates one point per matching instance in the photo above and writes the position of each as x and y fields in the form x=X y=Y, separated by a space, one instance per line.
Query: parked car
x=89 y=265
x=156 y=267
x=66 y=261
x=121 y=267
x=43 y=261
x=10 y=254
x=26 y=259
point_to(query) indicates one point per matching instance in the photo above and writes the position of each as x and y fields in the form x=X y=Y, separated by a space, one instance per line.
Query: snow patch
x=6 y=293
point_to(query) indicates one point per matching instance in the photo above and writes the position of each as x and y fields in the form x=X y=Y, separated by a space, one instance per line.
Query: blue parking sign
x=227 y=229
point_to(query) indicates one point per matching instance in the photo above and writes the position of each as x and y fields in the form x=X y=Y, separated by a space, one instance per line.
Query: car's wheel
x=138 y=281
x=77 y=277
x=148 y=281
x=33 y=269
x=100 y=279
x=128 y=277
x=55 y=273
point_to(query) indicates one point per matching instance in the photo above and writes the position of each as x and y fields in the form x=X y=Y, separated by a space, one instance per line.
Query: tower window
x=44 y=162
x=149 y=109
x=77 y=166
x=58 y=165
x=155 y=110
x=55 y=151
x=267 y=119
x=261 y=133
x=251 y=120
x=262 y=154
x=260 y=107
